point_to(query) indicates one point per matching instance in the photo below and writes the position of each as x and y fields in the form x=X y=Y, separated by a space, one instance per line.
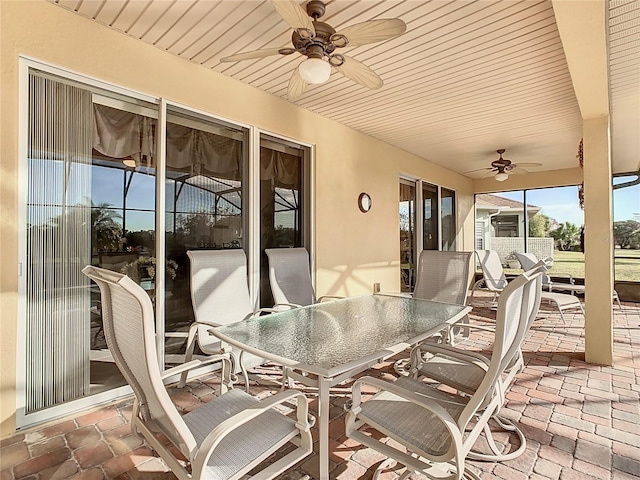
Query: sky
x=561 y=203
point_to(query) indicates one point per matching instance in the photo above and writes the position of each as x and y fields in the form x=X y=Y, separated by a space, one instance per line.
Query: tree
x=540 y=225
x=567 y=235
x=626 y=233
x=105 y=229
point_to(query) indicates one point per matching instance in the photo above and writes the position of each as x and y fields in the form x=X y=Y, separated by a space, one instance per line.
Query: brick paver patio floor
x=581 y=421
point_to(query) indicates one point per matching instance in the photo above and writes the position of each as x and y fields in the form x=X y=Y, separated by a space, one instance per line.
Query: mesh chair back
x=219 y=289
x=492 y=270
x=443 y=276
x=529 y=261
x=127 y=314
x=517 y=305
x=290 y=276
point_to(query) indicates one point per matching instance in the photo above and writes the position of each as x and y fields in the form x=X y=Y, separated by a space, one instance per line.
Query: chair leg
x=616 y=298
x=191 y=344
x=564 y=320
x=238 y=361
x=473 y=289
x=497 y=455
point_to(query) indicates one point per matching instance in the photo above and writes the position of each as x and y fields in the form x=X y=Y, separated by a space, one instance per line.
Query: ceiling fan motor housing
x=317 y=46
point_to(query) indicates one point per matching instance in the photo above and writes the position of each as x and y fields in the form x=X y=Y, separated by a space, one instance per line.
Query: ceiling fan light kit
x=317 y=41
x=501 y=176
x=315 y=71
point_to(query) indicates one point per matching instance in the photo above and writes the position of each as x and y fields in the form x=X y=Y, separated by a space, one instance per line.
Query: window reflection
x=407 y=211
x=204 y=208
x=430 y=201
x=448 y=213
x=281 y=196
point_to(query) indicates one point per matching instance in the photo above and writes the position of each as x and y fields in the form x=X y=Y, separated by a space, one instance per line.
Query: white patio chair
x=528 y=259
x=495 y=280
x=442 y=277
x=291 y=287
x=464 y=370
x=433 y=432
x=290 y=278
x=220 y=295
x=224 y=438
x=493 y=275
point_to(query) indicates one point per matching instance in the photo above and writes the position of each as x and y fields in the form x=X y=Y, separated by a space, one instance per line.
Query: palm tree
x=106 y=232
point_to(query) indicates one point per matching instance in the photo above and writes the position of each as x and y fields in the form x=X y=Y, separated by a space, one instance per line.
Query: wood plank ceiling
x=465 y=79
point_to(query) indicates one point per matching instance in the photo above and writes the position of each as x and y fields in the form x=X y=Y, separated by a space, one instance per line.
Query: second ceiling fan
x=318 y=42
x=502 y=167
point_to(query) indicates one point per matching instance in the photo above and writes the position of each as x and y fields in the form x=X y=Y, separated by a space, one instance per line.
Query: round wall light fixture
x=364 y=202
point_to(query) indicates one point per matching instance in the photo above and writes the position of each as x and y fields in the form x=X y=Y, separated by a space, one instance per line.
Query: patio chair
x=493 y=276
x=495 y=280
x=528 y=259
x=464 y=371
x=290 y=278
x=433 y=432
x=444 y=277
x=220 y=295
x=224 y=438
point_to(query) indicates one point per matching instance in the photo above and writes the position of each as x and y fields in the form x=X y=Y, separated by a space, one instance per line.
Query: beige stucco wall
x=353 y=250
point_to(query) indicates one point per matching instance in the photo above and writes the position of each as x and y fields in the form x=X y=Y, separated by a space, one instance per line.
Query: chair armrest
x=331 y=297
x=290 y=305
x=257 y=312
x=459 y=354
x=396 y=294
x=193 y=364
x=217 y=434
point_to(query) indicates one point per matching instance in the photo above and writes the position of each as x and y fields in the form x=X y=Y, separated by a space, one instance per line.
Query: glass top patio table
x=330 y=338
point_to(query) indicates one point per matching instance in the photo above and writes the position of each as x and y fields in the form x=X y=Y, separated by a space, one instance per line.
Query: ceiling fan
x=502 y=167
x=317 y=41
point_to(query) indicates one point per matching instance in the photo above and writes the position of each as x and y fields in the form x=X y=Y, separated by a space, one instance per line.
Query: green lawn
x=571 y=264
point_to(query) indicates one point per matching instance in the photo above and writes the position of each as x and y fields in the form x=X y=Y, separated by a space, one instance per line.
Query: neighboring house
x=499 y=217
x=500 y=226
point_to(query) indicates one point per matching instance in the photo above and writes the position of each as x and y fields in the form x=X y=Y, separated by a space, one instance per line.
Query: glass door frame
x=25 y=64
x=254 y=253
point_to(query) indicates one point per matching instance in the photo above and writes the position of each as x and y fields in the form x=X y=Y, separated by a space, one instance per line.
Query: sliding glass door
x=90 y=200
x=205 y=206
x=283 y=202
x=104 y=175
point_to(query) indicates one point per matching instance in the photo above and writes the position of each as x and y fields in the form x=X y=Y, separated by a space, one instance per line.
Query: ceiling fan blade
x=294 y=15
x=267 y=52
x=528 y=164
x=373 y=31
x=297 y=85
x=359 y=73
x=478 y=170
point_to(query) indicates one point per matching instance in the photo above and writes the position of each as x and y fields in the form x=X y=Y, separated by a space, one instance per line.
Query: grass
x=571 y=264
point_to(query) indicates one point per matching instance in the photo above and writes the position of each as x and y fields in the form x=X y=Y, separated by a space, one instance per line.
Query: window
x=407 y=209
x=427 y=222
x=626 y=227
x=430 y=217
x=95 y=172
x=206 y=190
x=283 y=200
x=545 y=222
x=448 y=214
